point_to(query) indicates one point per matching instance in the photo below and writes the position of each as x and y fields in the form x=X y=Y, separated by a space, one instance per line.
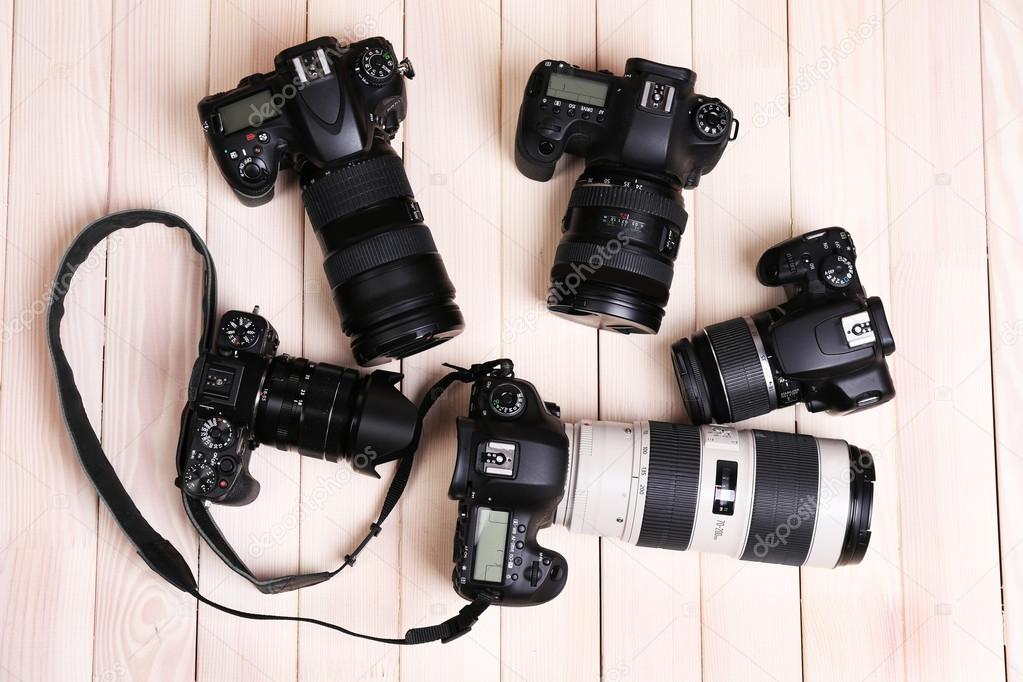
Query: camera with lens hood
x=754 y=495
x=242 y=394
x=645 y=136
x=329 y=111
x=826 y=346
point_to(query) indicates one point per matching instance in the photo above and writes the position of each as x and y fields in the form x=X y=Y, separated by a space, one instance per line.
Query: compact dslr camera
x=645 y=135
x=826 y=346
x=329 y=111
x=754 y=495
x=242 y=394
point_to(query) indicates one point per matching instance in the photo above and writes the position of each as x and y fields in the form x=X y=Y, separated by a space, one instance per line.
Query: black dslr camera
x=826 y=346
x=241 y=394
x=520 y=469
x=645 y=136
x=329 y=112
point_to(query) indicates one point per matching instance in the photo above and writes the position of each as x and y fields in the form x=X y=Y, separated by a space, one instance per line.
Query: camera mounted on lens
x=826 y=346
x=329 y=111
x=242 y=394
x=645 y=136
x=509 y=477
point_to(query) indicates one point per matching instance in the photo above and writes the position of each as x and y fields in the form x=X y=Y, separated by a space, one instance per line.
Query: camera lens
x=724 y=373
x=330 y=412
x=388 y=279
x=614 y=265
x=754 y=495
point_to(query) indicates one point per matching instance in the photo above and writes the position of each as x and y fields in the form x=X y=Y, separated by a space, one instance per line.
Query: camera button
x=263 y=137
x=519 y=544
x=546 y=147
x=226 y=465
x=517 y=561
x=521 y=528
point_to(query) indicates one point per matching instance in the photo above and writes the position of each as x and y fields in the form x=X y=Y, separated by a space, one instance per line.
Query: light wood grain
x=337 y=503
x=259 y=255
x=48 y=518
x=142 y=623
x=935 y=168
x=650 y=599
x=558 y=357
x=1002 y=69
x=751 y=620
x=911 y=139
x=838 y=144
x=453 y=161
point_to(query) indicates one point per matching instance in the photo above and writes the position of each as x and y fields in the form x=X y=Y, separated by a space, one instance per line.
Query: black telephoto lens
x=329 y=412
x=614 y=265
x=723 y=373
x=388 y=279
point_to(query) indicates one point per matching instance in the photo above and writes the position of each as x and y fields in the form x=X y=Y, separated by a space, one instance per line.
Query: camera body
x=323 y=103
x=829 y=340
x=826 y=346
x=650 y=119
x=242 y=394
x=509 y=476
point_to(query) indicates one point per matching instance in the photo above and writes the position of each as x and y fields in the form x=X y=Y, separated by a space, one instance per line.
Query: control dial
x=837 y=271
x=712 y=119
x=376 y=66
x=200 y=478
x=240 y=331
x=252 y=170
x=216 y=433
x=507 y=401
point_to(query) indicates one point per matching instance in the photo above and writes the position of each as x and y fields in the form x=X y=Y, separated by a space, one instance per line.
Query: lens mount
x=389 y=283
x=614 y=266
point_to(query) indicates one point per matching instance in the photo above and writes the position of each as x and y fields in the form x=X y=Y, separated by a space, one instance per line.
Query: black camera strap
x=158 y=553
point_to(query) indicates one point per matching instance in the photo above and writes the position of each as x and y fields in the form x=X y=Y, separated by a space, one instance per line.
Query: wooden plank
x=836 y=97
x=338 y=504
x=259 y=254
x=142 y=623
x=751 y=622
x=1002 y=55
x=454 y=165
x=560 y=639
x=650 y=598
x=61 y=82
x=6 y=48
x=949 y=533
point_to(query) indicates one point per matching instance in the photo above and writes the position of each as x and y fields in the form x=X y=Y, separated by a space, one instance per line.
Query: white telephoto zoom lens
x=754 y=495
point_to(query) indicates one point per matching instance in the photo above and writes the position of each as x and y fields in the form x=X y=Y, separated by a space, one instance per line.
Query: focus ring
x=379 y=249
x=672 y=486
x=784 y=498
x=741 y=372
x=346 y=190
x=628 y=199
x=628 y=261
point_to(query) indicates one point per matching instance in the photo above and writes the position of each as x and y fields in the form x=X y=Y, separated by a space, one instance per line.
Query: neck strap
x=159 y=554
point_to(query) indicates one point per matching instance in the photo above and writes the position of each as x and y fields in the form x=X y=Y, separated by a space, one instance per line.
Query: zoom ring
x=741 y=372
x=628 y=199
x=628 y=261
x=672 y=486
x=379 y=249
x=785 y=498
x=346 y=190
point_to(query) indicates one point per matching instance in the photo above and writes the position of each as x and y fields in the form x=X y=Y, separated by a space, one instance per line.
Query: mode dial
x=240 y=331
x=216 y=433
x=837 y=271
x=507 y=401
x=375 y=66
x=712 y=119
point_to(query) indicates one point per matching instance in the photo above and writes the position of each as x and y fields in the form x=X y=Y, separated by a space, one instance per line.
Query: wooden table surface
x=899 y=120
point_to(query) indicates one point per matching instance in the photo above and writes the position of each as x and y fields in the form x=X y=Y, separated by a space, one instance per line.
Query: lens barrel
x=724 y=373
x=755 y=495
x=330 y=412
x=389 y=282
x=614 y=265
